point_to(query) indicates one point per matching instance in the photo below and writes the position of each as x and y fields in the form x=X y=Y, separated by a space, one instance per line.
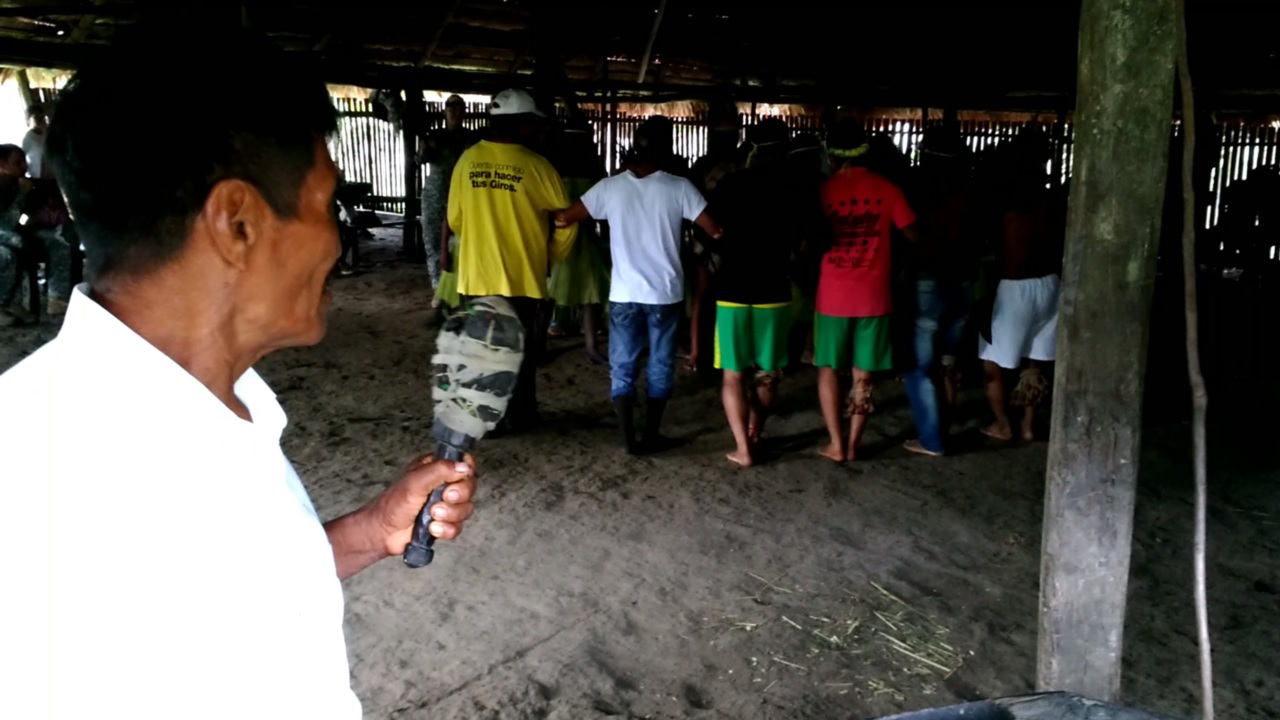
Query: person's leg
x=958 y=301
x=872 y=352
x=862 y=408
x=523 y=412
x=994 y=379
x=830 y=397
x=58 y=251
x=1033 y=387
x=545 y=312
x=590 y=320
x=1030 y=392
x=733 y=353
x=734 y=396
x=1012 y=317
x=626 y=340
x=771 y=343
x=663 y=324
x=8 y=283
x=921 y=390
x=833 y=344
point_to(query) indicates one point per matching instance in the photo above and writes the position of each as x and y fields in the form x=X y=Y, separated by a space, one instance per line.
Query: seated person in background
x=13 y=190
x=42 y=235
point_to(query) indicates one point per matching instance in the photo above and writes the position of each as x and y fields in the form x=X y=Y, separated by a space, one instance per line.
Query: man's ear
x=236 y=217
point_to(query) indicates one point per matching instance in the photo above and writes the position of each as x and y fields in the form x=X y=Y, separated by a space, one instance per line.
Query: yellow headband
x=852 y=153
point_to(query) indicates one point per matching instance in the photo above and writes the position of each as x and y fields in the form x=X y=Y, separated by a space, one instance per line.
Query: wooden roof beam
x=653 y=35
x=46 y=11
x=448 y=18
x=84 y=26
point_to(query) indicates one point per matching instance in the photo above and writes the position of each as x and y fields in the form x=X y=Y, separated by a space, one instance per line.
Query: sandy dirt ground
x=592 y=584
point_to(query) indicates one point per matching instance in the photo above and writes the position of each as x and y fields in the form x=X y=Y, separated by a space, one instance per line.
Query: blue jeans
x=632 y=328
x=942 y=308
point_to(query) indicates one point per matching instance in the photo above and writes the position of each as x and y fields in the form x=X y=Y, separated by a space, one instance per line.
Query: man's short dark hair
x=8 y=151
x=232 y=106
x=34 y=109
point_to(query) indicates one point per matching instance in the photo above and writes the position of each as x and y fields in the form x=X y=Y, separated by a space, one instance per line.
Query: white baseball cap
x=514 y=102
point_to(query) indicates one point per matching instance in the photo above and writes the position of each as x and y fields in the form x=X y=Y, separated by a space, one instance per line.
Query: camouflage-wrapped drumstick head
x=477 y=361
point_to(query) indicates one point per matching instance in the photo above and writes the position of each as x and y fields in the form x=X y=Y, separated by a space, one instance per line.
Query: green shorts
x=842 y=343
x=750 y=336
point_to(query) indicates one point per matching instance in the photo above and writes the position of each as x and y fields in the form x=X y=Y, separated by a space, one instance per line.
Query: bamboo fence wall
x=371 y=150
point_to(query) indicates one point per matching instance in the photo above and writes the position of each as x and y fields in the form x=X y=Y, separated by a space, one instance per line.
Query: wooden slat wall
x=370 y=150
x=1245 y=147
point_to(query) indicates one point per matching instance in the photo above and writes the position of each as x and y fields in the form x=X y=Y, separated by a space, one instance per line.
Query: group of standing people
x=34 y=224
x=799 y=248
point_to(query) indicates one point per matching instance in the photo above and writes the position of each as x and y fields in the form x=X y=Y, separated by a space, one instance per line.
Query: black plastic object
x=968 y=711
x=452 y=446
x=1039 y=706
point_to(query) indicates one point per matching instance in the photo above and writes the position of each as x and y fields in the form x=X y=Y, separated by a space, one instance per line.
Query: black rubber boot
x=653 y=440
x=625 y=407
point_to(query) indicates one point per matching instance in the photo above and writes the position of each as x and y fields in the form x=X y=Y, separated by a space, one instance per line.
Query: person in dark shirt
x=946 y=267
x=752 y=285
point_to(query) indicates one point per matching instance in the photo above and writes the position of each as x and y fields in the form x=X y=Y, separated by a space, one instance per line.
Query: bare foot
x=740 y=458
x=833 y=452
x=918 y=448
x=1028 y=433
x=996 y=431
x=595 y=358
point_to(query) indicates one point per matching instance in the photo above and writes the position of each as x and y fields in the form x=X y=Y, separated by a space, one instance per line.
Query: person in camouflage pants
x=441 y=150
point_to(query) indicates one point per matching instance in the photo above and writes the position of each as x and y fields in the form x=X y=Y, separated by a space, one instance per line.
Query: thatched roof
x=907 y=53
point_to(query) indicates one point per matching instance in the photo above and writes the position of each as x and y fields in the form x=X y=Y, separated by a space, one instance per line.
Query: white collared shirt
x=161 y=557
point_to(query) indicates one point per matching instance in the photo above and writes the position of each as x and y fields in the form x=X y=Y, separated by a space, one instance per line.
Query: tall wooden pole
x=24 y=88
x=410 y=123
x=653 y=35
x=1123 y=123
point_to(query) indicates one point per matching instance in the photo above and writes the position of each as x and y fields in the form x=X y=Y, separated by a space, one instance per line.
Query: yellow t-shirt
x=500 y=203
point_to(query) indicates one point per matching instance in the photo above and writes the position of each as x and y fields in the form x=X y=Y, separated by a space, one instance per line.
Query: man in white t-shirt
x=164 y=558
x=33 y=143
x=646 y=209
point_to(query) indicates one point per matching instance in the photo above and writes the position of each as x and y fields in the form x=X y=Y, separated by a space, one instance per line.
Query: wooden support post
x=1123 y=120
x=410 y=123
x=653 y=35
x=24 y=88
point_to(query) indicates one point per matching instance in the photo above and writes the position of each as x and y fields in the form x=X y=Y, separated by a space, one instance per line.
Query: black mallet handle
x=420 y=551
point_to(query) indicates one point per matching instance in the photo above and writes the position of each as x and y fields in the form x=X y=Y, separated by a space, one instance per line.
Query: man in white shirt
x=646 y=209
x=167 y=560
x=33 y=143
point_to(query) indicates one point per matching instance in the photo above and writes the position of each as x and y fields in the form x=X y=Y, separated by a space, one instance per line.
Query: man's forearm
x=355 y=545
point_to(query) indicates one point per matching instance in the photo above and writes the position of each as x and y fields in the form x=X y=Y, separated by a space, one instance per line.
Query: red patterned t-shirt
x=862 y=208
